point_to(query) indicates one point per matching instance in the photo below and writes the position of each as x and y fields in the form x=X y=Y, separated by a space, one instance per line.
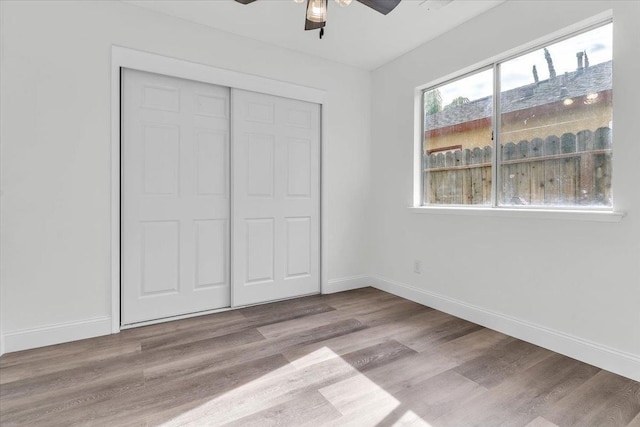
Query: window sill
x=558 y=214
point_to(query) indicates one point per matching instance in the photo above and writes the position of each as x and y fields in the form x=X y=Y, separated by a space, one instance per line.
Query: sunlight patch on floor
x=412 y=419
x=323 y=354
x=322 y=366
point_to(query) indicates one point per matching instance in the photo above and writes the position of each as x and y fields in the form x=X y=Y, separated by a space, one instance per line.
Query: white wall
x=577 y=280
x=56 y=150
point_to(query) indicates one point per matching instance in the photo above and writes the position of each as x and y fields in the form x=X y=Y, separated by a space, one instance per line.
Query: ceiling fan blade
x=382 y=6
x=245 y=1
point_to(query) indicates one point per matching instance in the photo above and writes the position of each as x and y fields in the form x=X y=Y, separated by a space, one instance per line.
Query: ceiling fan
x=317 y=10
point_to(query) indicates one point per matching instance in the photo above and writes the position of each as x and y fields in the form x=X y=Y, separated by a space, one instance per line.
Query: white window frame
x=607 y=214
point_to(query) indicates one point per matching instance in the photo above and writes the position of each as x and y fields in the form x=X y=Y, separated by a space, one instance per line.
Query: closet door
x=276 y=198
x=175 y=197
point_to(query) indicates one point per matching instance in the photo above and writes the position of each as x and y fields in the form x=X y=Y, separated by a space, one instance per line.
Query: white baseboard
x=604 y=357
x=347 y=284
x=73 y=331
x=56 y=334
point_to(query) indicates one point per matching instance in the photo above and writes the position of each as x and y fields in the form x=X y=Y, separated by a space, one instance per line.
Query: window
x=533 y=130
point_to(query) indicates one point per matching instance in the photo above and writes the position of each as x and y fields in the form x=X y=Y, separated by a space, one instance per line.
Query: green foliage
x=432 y=102
x=457 y=101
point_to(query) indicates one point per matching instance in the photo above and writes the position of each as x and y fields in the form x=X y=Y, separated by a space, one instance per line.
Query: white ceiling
x=355 y=35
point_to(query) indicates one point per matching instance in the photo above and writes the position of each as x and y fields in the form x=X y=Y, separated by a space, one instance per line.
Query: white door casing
x=175 y=196
x=276 y=197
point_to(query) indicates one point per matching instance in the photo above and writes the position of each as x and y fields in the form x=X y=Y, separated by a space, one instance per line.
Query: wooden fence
x=574 y=169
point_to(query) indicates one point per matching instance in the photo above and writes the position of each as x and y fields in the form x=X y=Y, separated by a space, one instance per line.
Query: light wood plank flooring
x=361 y=358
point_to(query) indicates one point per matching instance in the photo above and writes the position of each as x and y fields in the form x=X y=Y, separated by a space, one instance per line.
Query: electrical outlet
x=417 y=267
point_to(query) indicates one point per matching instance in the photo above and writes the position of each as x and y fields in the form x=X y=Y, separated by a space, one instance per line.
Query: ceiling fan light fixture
x=317 y=10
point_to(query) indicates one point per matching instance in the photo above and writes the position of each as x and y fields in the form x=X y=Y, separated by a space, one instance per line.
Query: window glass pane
x=457 y=148
x=555 y=124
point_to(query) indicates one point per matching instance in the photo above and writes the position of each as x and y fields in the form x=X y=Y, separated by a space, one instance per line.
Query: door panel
x=160 y=255
x=297 y=247
x=175 y=197
x=211 y=253
x=276 y=203
x=260 y=250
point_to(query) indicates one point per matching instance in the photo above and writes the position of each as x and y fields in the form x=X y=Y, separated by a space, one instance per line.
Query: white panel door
x=276 y=197
x=175 y=197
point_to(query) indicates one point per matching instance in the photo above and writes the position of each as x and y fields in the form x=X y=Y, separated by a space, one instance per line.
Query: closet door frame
x=122 y=57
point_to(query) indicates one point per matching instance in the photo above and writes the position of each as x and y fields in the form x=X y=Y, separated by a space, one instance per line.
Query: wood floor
x=360 y=358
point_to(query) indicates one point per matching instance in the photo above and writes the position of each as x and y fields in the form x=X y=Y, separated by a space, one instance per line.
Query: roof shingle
x=593 y=79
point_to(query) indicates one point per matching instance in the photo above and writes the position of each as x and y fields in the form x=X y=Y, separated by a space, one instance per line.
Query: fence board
x=602 y=163
x=457 y=193
x=537 y=172
x=477 y=197
x=602 y=139
x=487 y=156
x=571 y=170
x=450 y=178
x=523 y=174
x=551 y=171
x=467 y=187
x=586 y=184
x=433 y=180
x=440 y=180
x=509 y=173
x=584 y=140
x=568 y=175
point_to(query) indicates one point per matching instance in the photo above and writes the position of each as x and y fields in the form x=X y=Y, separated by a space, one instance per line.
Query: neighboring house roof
x=594 y=79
